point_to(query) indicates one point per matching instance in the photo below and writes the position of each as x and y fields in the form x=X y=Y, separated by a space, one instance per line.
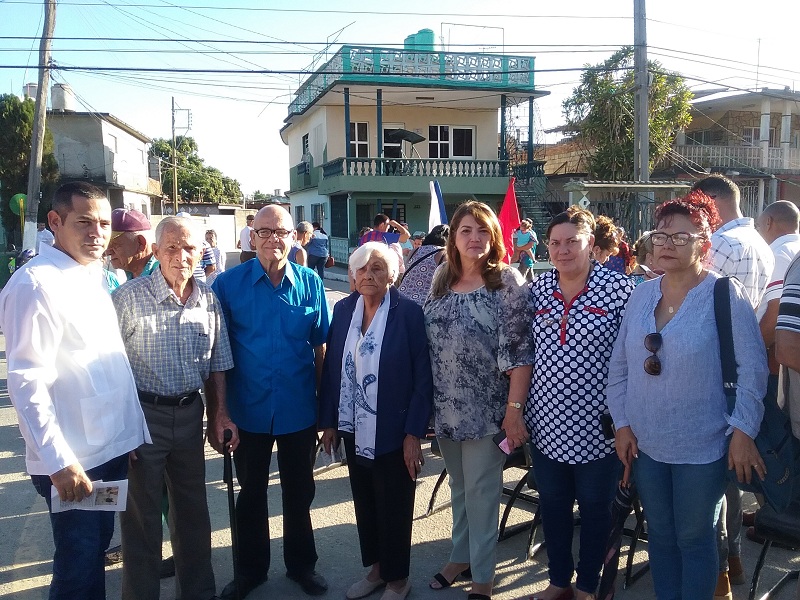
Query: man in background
x=244 y=241
x=130 y=246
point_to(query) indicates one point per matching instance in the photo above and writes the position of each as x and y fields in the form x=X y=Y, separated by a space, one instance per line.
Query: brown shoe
x=723 y=591
x=748 y=518
x=736 y=570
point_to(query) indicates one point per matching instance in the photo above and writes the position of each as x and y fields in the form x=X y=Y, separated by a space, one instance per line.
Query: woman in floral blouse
x=478 y=323
x=579 y=307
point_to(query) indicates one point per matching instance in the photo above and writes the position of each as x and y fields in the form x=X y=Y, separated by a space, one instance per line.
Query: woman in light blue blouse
x=666 y=398
x=478 y=324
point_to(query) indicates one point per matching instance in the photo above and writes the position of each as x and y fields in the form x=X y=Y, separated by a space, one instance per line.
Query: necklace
x=670 y=309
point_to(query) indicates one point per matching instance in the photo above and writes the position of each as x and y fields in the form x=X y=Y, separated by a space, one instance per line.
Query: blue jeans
x=681 y=504
x=317 y=263
x=81 y=538
x=593 y=485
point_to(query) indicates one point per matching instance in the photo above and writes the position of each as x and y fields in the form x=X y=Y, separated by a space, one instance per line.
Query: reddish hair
x=699 y=208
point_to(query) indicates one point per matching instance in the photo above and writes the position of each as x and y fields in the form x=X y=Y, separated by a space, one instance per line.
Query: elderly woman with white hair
x=377 y=394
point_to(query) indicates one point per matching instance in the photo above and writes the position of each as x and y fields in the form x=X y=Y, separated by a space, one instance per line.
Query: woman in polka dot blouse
x=578 y=311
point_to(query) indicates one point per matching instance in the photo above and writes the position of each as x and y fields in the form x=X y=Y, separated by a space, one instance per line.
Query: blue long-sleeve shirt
x=680 y=416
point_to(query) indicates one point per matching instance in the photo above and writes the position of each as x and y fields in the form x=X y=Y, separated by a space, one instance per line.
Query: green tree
x=601 y=111
x=16 y=130
x=197 y=182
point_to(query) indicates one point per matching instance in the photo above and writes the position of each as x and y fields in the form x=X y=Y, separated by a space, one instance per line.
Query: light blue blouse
x=680 y=416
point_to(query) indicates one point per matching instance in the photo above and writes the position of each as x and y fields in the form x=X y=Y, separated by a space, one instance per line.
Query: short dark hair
x=718 y=186
x=380 y=219
x=62 y=199
x=437 y=237
x=250 y=218
x=581 y=218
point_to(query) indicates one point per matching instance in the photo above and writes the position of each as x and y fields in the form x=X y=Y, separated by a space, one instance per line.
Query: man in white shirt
x=43 y=236
x=70 y=382
x=736 y=251
x=244 y=241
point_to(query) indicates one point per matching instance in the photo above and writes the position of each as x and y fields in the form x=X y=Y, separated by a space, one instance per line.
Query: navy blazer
x=405 y=382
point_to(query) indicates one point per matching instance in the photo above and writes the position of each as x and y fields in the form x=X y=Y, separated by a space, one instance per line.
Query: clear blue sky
x=236 y=117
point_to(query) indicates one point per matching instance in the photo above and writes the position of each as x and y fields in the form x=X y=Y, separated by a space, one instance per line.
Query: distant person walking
x=71 y=383
x=245 y=243
x=318 y=250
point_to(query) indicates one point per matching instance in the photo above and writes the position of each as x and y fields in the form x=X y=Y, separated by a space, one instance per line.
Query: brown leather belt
x=184 y=400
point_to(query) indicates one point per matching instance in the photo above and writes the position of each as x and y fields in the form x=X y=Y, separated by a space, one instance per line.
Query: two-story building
x=370 y=129
x=752 y=137
x=105 y=151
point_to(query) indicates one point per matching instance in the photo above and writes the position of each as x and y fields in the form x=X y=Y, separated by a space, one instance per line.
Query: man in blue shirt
x=278 y=318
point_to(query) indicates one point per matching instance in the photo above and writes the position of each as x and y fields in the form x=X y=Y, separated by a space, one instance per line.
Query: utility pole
x=641 y=131
x=37 y=142
x=174 y=163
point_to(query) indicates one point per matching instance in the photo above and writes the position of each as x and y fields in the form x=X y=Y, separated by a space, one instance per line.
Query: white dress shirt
x=44 y=237
x=244 y=238
x=68 y=376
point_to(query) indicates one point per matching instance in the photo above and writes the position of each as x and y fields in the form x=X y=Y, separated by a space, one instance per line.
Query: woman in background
x=217 y=254
x=422 y=264
x=318 y=250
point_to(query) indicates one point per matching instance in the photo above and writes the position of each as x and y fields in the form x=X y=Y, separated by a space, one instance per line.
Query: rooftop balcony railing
x=365 y=64
x=734 y=157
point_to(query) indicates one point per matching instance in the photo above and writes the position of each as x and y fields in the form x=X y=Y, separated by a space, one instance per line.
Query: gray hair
x=363 y=254
x=304 y=227
x=182 y=222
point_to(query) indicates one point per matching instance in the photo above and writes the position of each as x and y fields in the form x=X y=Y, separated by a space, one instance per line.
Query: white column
x=760 y=198
x=786 y=133
x=764 y=138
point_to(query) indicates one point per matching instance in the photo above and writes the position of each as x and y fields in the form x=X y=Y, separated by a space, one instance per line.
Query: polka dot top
x=573 y=341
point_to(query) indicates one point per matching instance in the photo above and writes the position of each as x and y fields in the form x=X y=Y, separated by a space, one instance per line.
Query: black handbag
x=779 y=449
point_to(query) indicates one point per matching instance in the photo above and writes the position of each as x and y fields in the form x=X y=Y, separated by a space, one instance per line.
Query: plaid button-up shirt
x=737 y=250
x=172 y=347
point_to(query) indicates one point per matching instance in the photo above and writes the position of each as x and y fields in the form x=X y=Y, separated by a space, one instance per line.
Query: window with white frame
x=299 y=214
x=304 y=143
x=392 y=149
x=698 y=138
x=317 y=213
x=359 y=140
x=451 y=141
x=751 y=136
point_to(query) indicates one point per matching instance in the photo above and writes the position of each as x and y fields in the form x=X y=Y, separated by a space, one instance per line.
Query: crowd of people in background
x=605 y=365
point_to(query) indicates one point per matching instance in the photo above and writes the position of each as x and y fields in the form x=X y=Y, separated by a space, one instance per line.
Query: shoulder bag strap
x=408 y=269
x=722 y=315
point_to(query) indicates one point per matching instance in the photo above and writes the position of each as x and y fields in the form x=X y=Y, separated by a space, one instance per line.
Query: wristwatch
x=515 y=404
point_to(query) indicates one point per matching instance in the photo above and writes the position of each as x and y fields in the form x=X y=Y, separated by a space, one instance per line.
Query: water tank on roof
x=424 y=39
x=63 y=98
x=29 y=90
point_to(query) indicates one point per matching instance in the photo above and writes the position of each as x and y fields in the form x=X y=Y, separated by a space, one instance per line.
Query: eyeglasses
x=678 y=239
x=266 y=233
x=653 y=343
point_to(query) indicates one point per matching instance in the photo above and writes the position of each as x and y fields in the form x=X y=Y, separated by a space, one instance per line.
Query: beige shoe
x=390 y=594
x=723 y=591
x=363 y=588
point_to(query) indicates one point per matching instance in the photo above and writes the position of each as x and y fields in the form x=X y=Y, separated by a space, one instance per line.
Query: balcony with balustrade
x=367 y=65
x=741 y=157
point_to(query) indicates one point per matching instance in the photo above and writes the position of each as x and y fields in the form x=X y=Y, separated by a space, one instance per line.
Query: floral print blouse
x=475 y=337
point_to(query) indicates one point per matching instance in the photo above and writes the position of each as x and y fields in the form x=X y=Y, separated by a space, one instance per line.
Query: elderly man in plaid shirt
x=176 y=340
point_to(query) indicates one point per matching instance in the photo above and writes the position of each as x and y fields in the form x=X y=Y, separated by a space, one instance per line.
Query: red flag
x=509 y=220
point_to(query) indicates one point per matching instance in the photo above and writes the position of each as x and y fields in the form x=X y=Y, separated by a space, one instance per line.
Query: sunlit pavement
x=26 y=543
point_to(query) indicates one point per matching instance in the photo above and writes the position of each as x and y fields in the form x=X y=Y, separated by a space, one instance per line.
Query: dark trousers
x=295 y=466
x=317 y=263
x=593 y=485
x=81 y=538
x=383 y=497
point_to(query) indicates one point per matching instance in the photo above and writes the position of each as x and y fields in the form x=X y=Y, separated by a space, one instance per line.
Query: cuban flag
x=437 y=216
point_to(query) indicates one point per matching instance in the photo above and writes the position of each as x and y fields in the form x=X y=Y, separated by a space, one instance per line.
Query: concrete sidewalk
x=26 y=542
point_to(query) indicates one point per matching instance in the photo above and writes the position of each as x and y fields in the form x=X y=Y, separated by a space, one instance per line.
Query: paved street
x=26 y=543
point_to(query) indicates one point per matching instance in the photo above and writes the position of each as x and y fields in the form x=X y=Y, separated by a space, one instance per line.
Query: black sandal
x=442 y=580
x=478 y=597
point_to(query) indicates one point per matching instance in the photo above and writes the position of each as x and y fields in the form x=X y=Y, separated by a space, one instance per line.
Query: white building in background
x=105 y=151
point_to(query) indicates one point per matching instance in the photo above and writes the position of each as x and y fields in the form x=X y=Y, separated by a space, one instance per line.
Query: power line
x=342 y=11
